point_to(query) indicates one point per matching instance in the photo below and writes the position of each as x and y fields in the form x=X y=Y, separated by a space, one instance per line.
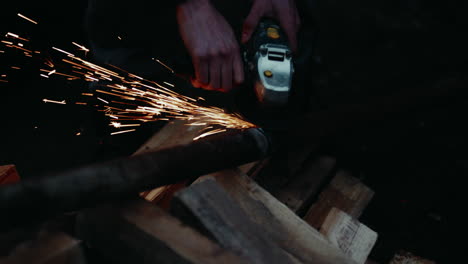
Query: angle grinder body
x=269 y=70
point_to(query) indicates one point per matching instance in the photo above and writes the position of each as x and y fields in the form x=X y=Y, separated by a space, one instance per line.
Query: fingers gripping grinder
x=269 y=64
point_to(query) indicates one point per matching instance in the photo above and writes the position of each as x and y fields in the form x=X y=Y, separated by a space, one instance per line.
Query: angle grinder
x=269 y=70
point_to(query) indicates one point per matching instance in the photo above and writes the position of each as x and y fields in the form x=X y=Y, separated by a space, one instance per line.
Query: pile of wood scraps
x=226 y=217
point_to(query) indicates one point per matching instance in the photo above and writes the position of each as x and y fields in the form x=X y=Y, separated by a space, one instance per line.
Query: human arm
x=284 y=11
x=212 y=45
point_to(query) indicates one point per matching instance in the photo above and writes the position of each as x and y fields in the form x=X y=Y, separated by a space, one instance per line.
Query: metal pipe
x=121 y=178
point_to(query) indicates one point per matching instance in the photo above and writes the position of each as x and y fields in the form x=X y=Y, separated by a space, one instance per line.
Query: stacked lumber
x=42 y=245
x=227 y=217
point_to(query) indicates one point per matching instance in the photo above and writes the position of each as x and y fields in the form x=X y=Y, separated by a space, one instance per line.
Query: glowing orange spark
x=170 y=84
x=209 y=133
x=16 y=68
x=68 y=53
x=121 y=132
x=28 y=19
x=81 y=47
x=53 y=101
x=119 y=125
x=167 y=67
x=103 y=100
x=12 y=35
x=49 y=63
x=20 y=48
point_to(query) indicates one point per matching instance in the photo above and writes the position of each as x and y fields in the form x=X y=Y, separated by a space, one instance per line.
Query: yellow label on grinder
x=273 y=33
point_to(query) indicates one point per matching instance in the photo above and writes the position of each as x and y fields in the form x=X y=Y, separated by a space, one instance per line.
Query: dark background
x=415 y=161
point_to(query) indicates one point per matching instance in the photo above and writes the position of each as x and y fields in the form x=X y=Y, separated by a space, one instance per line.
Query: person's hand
x=212 y=45
x=284 y=11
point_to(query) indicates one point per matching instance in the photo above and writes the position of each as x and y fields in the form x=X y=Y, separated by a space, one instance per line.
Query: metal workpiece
x=39 y=198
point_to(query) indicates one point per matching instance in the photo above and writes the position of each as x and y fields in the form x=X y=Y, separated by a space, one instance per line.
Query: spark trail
x=127 y=97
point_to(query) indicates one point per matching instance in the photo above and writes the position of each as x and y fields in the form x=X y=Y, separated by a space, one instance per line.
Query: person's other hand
x=212 y=45
x=284 y=11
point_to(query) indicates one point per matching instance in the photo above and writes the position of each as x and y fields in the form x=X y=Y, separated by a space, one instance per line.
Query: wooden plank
x=298 y=193
x=344 y=192
x=47 y=248
x=8 y=174
x=175 y=133
x=139 y=232
x=172 y=134
x=208 y=207
x=352 y=237
x=276 y=220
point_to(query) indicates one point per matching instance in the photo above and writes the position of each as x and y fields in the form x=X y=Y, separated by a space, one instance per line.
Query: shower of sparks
x=28 y=19
x=123 y=131
x=53 y=101
x=129 y=99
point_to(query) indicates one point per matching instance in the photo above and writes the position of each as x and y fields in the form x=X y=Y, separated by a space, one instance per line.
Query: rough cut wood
x=345 y=193
x=352 y=237
x=172 y=134
x=208 y=207
x=276 y=220
x=139 y=232
x=48 y=248
x=8 y=174
x=177 y=132
x=298 y=193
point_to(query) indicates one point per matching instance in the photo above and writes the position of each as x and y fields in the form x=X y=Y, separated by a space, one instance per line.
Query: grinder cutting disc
x=246 y=103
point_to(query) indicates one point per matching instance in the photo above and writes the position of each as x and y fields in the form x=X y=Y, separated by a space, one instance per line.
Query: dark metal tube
x=124 y=177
